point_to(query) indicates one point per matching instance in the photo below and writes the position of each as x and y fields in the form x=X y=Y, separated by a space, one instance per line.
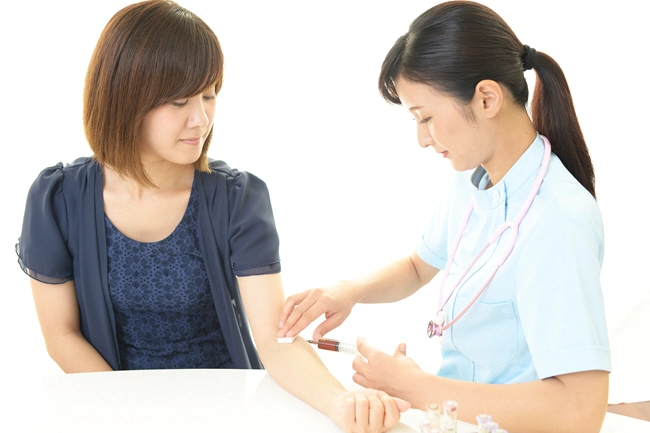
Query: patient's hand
x=367 y=411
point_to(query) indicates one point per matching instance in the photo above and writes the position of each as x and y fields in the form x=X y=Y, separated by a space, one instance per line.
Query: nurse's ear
x=488 y=99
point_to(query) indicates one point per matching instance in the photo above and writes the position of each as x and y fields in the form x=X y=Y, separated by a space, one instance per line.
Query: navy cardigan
x=63 y=238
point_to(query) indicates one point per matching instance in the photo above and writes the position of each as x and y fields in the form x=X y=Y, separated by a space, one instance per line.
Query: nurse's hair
x=454 y=45
x=149 y=54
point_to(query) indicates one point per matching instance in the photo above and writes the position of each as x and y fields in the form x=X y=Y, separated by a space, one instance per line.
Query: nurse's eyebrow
x=414 y=108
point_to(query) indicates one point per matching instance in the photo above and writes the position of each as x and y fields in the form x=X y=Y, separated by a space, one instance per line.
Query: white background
x=349 y=185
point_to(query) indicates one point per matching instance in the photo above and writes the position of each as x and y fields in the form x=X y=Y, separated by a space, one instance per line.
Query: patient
x=150 y=255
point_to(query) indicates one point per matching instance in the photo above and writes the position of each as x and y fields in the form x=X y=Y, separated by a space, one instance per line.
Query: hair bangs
x=390 y=70
x=189 y=60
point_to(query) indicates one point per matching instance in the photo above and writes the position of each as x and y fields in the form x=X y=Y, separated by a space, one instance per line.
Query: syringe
x=335 y=346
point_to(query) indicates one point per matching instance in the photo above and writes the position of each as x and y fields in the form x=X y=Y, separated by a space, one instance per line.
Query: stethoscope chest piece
x=435 y=326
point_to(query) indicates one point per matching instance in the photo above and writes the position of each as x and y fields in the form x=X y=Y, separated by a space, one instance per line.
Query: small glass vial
x=491 y=426
x=449 y=416
x=481 y=421
x=433 y=414
x=426 y=427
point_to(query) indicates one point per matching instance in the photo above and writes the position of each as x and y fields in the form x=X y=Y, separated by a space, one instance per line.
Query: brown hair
x=149 y=54
x=454 y=45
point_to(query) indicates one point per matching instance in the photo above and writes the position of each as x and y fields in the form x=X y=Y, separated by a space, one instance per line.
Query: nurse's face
x=176 y=132
x=443 y=125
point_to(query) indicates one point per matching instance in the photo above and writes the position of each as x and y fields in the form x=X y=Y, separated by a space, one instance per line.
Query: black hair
x=455 y=45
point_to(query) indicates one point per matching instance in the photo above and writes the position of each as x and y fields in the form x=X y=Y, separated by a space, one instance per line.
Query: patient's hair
x=149 y=54
x=454 y=45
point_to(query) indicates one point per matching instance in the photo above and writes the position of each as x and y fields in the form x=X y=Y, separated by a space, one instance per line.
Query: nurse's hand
x=367 y=411
x=382 y=371
x=301 y=309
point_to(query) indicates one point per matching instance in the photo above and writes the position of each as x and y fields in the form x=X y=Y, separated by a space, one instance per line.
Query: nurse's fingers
x=364 y=348
x=309 y=306
x=400 y=350
x=290 y=304
x=304 y=310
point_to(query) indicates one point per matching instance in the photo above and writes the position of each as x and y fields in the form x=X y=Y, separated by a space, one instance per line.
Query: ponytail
x=554 y=116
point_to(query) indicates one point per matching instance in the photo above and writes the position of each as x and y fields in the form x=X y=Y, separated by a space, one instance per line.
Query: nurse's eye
x=209 y=97
x=180 y=103
x=426 y=120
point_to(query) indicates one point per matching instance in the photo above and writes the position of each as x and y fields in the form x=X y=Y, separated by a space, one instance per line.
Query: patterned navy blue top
x=63 y=239
x=164 y=310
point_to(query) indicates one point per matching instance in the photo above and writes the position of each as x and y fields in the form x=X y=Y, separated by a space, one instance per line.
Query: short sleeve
x=253 y=237
x=560 y=298
x=432 y=247
x=41 y=249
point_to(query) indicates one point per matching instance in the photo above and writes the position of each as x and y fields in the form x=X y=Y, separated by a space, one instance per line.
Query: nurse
x=518 y=238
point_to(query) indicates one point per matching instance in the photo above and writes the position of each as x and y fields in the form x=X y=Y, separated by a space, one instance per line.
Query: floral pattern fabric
x=164 y=310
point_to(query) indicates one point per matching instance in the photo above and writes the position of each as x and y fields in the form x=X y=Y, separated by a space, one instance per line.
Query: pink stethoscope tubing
x=438 y=325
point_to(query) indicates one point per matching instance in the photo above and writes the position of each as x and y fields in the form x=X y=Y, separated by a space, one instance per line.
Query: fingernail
x=317 y=337
x=281 y=323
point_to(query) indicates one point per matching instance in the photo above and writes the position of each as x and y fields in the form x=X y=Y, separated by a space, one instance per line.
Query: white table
x=190 y=401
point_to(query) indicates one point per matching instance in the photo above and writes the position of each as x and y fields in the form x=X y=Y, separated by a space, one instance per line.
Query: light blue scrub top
x=543 y=314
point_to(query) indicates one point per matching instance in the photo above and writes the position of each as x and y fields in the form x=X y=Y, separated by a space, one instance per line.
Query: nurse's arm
x=565 y=403
x=393 y=282
x=58 y=314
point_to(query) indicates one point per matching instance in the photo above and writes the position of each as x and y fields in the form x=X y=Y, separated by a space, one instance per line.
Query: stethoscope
x=438 y=324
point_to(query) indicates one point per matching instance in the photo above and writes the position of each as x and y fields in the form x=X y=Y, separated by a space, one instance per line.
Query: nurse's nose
x=424 y=136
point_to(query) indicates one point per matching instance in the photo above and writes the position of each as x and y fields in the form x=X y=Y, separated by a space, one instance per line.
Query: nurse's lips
x=444 y=153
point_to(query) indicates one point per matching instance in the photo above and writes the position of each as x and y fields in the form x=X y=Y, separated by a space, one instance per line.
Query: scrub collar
x=521 y=172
